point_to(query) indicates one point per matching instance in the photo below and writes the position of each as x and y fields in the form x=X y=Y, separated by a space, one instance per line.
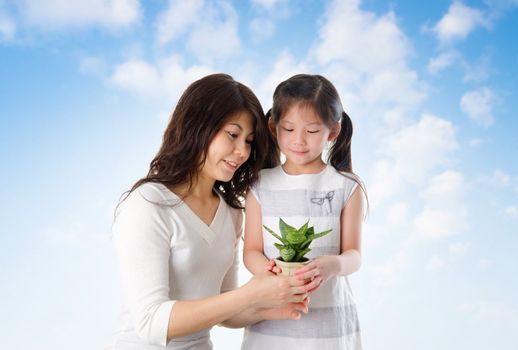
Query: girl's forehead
x=301 y=113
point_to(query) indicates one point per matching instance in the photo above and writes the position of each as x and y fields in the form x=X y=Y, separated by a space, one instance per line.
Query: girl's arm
x=253 y=256
x=349 y=260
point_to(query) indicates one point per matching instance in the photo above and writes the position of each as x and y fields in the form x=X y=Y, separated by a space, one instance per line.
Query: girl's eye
x=288 y=130
x=313 y=131
x=249 y=141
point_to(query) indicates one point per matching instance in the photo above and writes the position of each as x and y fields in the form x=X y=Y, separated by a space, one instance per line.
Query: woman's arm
x=240 y=307
x=253 y=256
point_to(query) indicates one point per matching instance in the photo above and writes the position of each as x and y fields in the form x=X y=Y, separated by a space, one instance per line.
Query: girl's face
x=229 y=148
x=302 y=136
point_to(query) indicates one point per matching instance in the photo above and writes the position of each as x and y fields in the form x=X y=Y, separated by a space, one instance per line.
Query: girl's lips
x=299 y=152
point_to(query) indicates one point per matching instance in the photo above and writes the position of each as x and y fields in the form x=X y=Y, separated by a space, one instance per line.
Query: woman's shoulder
x=148 y=195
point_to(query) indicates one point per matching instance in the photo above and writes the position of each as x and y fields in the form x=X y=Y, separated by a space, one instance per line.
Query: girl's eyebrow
x=313 y=123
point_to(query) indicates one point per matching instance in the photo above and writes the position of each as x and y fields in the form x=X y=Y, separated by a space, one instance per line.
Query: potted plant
x=295 y=244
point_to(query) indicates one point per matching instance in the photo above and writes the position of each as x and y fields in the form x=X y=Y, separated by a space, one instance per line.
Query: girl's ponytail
x=340 y=153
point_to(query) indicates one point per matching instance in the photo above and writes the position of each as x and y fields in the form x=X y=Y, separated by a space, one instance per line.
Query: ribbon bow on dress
x=325 y=201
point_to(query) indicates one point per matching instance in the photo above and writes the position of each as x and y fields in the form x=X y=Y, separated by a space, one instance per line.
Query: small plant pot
x=289 y=268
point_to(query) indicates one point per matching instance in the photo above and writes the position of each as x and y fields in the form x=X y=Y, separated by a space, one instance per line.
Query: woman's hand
x=291 y=311
x=320 y=269
x=270 y=291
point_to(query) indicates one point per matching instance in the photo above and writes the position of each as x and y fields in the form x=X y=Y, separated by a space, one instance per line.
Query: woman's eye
x=288 y=130
x=313 y=131
x=232 y=135
x=249 y=141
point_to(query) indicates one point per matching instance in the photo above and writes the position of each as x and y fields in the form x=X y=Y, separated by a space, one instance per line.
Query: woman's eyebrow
x=238 y=125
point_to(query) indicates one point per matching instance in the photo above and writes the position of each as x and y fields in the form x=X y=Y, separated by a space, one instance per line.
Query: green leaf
x=279 y=246
x=303 y=229
x=287 y=254
x=295 y=238
x=275 y=235
x=285 y=228
x=301 y=254
x=321 y=234
x=306 y=243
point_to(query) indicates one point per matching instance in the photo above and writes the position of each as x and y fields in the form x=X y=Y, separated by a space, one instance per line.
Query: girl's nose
x=300 y=138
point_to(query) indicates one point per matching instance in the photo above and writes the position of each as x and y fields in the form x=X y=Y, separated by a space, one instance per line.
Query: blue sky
x=86 y=88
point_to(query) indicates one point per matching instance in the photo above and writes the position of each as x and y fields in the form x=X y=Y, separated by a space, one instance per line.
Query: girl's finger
x=316 y=288
x=305 y=268
x=309 y=274
x=313 y=284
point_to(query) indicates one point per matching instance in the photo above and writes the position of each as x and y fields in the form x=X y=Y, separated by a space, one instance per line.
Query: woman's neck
x=200 y=188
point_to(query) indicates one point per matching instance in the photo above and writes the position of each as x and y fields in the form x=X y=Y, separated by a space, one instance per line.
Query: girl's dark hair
x=201 y=112
x=317 y=92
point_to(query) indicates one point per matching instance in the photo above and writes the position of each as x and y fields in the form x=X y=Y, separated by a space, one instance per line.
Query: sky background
x=86 y=89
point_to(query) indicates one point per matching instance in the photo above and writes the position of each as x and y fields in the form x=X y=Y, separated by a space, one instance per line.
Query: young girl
x=177 y=230
x=306 y=115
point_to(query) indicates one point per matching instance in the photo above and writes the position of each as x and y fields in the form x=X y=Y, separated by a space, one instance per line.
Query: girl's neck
x=314 y=167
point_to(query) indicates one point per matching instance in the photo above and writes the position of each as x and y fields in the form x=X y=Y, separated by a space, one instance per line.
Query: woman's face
x=229 y=148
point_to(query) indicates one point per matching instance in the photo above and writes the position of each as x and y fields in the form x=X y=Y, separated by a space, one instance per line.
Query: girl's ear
x=335 y=132
x=272 y=127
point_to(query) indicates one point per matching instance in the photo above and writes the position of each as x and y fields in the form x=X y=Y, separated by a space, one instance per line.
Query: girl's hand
x=272 y=267
x=320 y=269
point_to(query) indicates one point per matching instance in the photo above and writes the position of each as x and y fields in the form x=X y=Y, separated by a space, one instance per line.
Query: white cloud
x=444 y=211
x=419 y=148
x=283 y=68
x=397 y=214
x=459 y=22
x=267 y=4
x=175 y=21
x=348 y=48
x=166 y=79
x=485 y=263
x=93 y=65
x=490 y=311
x=7 y=28
x=475 y=142
x=210 y=28
x=478 y=105
x=448 y=185
x=443 y=61
x=458 y=248
x=435 y=263
x=262 y=28
x=437 y=223
x=512 y=211
x=501 y=178
x=60 y=14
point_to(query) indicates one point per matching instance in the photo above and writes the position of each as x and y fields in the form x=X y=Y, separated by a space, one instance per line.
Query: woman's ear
x=335 y=132
x=272 y=127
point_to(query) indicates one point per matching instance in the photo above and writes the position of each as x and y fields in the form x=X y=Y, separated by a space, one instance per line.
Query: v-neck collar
x=208 y=232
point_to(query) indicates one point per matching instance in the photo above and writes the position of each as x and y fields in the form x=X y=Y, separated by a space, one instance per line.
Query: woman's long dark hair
x=318 y=93
x=201 y=112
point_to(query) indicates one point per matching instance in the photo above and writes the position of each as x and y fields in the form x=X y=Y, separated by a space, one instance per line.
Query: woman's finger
x=305 y=268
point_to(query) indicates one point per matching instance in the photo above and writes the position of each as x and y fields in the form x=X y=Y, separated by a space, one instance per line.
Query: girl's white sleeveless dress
x=332 y=321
